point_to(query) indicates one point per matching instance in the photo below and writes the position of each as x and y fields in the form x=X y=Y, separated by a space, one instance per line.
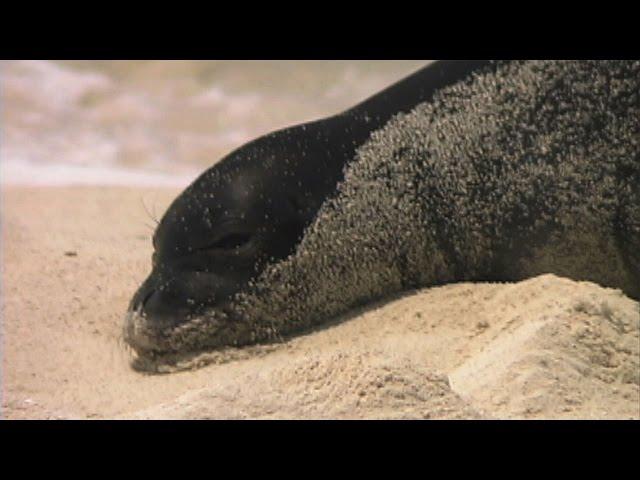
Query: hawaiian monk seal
x=463 y=171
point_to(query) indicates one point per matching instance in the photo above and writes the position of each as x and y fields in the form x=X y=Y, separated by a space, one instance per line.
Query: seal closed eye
x=229 y=242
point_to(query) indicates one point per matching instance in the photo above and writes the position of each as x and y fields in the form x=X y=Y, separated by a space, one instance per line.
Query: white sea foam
x=50 y=86
x=141 y=123
x=23 y=172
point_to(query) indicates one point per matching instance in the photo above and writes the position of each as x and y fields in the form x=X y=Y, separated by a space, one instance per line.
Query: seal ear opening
x=300 y=209
x=302 y=215
x=295 y=204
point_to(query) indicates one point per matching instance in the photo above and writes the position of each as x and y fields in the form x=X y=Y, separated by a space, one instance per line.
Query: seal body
x=463 y=171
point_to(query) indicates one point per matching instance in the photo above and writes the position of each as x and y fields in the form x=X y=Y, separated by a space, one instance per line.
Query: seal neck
x=403 y=96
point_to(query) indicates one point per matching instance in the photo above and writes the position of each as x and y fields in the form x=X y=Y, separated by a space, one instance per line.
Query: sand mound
x=335 y=386
x=556 y=349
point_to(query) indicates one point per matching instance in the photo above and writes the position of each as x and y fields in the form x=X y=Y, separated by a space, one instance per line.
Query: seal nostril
x=146 y=298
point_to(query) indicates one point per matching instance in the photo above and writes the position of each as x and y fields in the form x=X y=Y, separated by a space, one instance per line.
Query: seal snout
x=149 y=317
x=162 y=303
x=156 y=309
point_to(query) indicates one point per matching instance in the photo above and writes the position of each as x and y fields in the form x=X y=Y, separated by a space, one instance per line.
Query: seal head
x=248 y=210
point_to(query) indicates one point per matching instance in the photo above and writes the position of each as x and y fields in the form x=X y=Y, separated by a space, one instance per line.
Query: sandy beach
x=93 y=152
x=547 y=347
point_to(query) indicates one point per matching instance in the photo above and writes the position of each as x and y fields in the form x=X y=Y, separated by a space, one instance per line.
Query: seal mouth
x=156 y=347
x=139 y=335
x=195 y=344
x=153 y=347
x=146 y=338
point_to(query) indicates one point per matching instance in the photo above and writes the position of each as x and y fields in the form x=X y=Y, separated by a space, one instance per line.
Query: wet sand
x=547 y=347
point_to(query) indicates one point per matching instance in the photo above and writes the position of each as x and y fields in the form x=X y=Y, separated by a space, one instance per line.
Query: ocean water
x=161 y=123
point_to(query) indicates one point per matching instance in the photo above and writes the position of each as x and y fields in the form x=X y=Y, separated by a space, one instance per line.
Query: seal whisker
x=152 y=217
